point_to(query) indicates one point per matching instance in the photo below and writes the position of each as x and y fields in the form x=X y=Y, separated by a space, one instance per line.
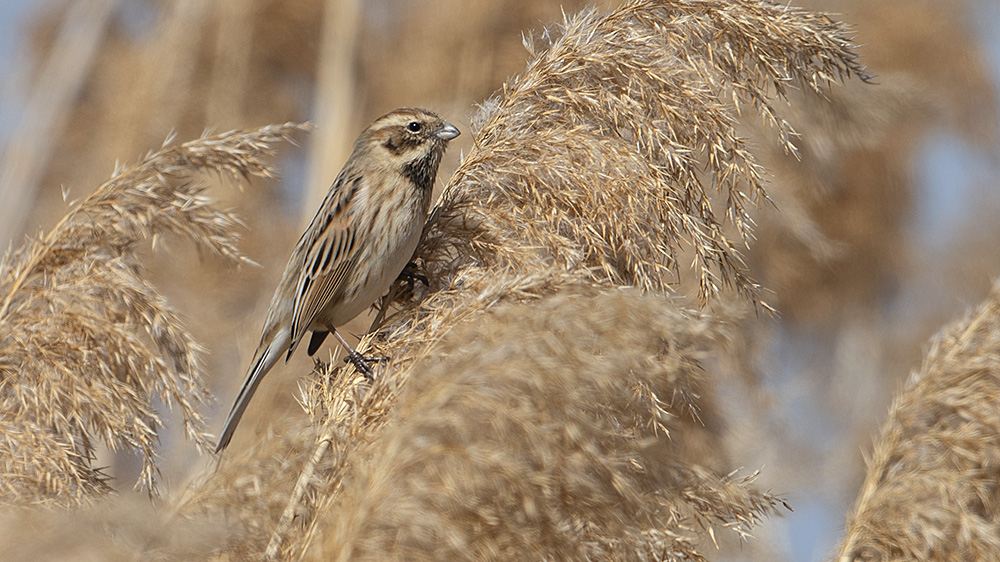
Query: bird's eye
x=414 y=127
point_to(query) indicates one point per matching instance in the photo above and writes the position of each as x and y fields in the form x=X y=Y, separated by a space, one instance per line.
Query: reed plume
x=530 y=375
x=931 y=489
x=87 y=344
x=597 y=167
x=551 y=429
x=609 y=155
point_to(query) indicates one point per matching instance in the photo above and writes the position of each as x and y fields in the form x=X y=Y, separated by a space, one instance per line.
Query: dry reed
x=59 y=84
x=87 y=343
x=839 y=241
x=931 y=490
x=593 y=168
x=257 y=65
x=111 y=529
x=552 y=429
x=532 y=405
x=609 y=155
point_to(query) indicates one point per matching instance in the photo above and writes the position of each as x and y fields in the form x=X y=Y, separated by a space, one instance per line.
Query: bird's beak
x=447 y=131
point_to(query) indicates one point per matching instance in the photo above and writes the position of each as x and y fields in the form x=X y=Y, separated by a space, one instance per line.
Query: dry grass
x=931 y=491
x=248 y=491
x=609 y=155
x=553 y=429
x=532 y=404
x=112 y=529
x=88 y=344
x=842 y=231
x=594 y=168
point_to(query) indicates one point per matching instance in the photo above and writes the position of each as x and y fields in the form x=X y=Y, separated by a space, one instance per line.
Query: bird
x=362 y=237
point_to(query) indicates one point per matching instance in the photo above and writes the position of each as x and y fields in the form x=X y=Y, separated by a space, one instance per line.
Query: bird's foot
x=410 y=276
x=361 y=363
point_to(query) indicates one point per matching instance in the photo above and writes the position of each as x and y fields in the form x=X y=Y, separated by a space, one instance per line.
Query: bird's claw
x=410 y=276
x=361 y=363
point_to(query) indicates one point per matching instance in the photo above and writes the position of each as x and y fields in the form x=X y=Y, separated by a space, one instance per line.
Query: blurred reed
x=932 y=488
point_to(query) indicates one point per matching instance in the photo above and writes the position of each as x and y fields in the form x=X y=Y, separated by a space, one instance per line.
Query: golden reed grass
x=88 y=343
x=554 y=428
x=932 y=488
x=594 y=168
x=543 y=393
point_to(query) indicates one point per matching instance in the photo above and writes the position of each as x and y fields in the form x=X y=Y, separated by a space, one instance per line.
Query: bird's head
x=409 y=139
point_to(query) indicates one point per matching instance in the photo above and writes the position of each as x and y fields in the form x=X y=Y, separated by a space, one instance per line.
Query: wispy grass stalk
x=87 y=343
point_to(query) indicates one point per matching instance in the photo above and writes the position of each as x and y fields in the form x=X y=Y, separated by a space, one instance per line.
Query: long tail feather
x=265 y=359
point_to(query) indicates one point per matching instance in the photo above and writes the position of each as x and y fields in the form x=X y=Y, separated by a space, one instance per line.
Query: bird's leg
x=360 y=362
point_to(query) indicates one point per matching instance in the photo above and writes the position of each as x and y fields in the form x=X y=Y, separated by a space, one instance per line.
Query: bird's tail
x=264 y=359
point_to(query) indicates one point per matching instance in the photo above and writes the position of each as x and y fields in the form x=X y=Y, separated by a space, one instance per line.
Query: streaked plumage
x=362 y=237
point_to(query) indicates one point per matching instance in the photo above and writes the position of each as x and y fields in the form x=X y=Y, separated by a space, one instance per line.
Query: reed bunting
x=362 y=237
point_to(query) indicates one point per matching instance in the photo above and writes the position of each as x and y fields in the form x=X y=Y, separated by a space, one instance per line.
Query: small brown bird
x=362 y=237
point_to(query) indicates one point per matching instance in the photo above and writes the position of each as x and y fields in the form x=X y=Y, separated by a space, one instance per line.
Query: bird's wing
x=314 y=275
x=327 y=255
